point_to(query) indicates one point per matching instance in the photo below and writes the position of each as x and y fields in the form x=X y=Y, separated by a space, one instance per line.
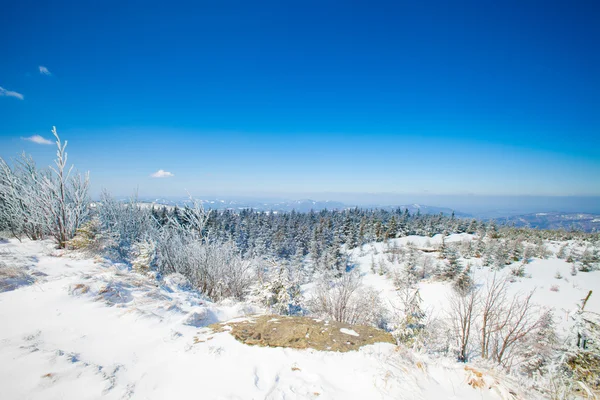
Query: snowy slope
x=89 y=329
x=560 y=294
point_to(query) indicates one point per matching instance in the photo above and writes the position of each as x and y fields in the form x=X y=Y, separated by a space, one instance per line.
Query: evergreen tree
x=452 y=265
x=464 y=282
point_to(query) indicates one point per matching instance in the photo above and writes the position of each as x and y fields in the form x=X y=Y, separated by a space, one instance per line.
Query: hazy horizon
x=468 y=204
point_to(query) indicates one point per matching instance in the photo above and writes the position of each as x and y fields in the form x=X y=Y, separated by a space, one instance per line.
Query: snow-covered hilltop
x=86 y=328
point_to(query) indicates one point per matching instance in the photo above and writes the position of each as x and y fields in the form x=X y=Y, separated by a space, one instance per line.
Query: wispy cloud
x=44 y=70
x=38 y=139
x=162 y=174
x=10 y=93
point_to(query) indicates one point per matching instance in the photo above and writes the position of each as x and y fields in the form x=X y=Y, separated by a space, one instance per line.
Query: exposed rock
x=302 y=333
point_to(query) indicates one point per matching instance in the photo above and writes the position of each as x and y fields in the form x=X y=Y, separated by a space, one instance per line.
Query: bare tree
x=463 y=308
x=491 y=310
x=506 y=322
x=518 y=320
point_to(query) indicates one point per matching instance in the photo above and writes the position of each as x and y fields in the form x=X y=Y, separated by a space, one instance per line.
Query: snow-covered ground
x=81 y=328
x=563 y=294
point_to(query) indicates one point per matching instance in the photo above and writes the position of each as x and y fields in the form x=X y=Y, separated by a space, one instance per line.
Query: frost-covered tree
x=65 y=197
x=452 y=265
x=38 y=203
x=540 y=347
x=464 y=283
x=409 y=320
x=562 y=252
x=128 y=222
x=279 y=290
x=21 y=211
x=344 y=299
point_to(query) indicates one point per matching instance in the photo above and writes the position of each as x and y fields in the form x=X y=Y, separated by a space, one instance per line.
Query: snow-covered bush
x=216 y=269
x=408 y=320
x=518 y=270
x=344 y=299
x=279 y=289
x=127 y=223
x=539 y=349
x=451 y=266
x=584 y=353
x=21 y=214
x=50 y=202
x=464 y=282
x=506 y=322
x=91 y=238
x=558 y=275
x=562 y=252
x=142 y=256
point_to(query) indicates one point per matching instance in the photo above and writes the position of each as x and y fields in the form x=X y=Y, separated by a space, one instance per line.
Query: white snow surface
x=349 y=332
x=562 y=295
x=91 y=329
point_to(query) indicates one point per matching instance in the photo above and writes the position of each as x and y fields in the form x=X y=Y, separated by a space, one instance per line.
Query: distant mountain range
x=556 y=220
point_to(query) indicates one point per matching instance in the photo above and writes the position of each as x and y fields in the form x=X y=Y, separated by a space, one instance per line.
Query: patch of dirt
x=302 y=333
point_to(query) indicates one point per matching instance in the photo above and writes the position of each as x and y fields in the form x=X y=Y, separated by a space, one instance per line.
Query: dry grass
x=78 y=289
x=475 y=378
x=301 y=333
x=12 y=277
x=586 y=369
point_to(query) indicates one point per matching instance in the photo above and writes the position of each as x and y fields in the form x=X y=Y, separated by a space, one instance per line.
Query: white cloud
x=162 y=174
x=9 y=93
x=44 y=70
x=38 y=139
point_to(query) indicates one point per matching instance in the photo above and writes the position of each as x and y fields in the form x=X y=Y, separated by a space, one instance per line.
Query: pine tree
x=464 y=282
x=562 y=252
x=452 y=265
x=392 y=230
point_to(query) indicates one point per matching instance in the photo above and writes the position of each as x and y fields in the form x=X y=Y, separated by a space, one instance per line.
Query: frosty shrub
x=539 y=349
x=91 y=238
x=142 y=256
x=85 y=236
x=408 y=320
x=216 y=269
x=573 y=270
x=518 y=270
x=279 y=289
x=464 y=282
x=345 y=300
x=583 y=356
x=507 y=322
x=562 y=252
x=38 y=203
x=126 y=222
x=558 y=275
x=21 y=214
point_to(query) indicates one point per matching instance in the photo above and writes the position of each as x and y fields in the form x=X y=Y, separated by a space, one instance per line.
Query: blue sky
x=243 y=98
